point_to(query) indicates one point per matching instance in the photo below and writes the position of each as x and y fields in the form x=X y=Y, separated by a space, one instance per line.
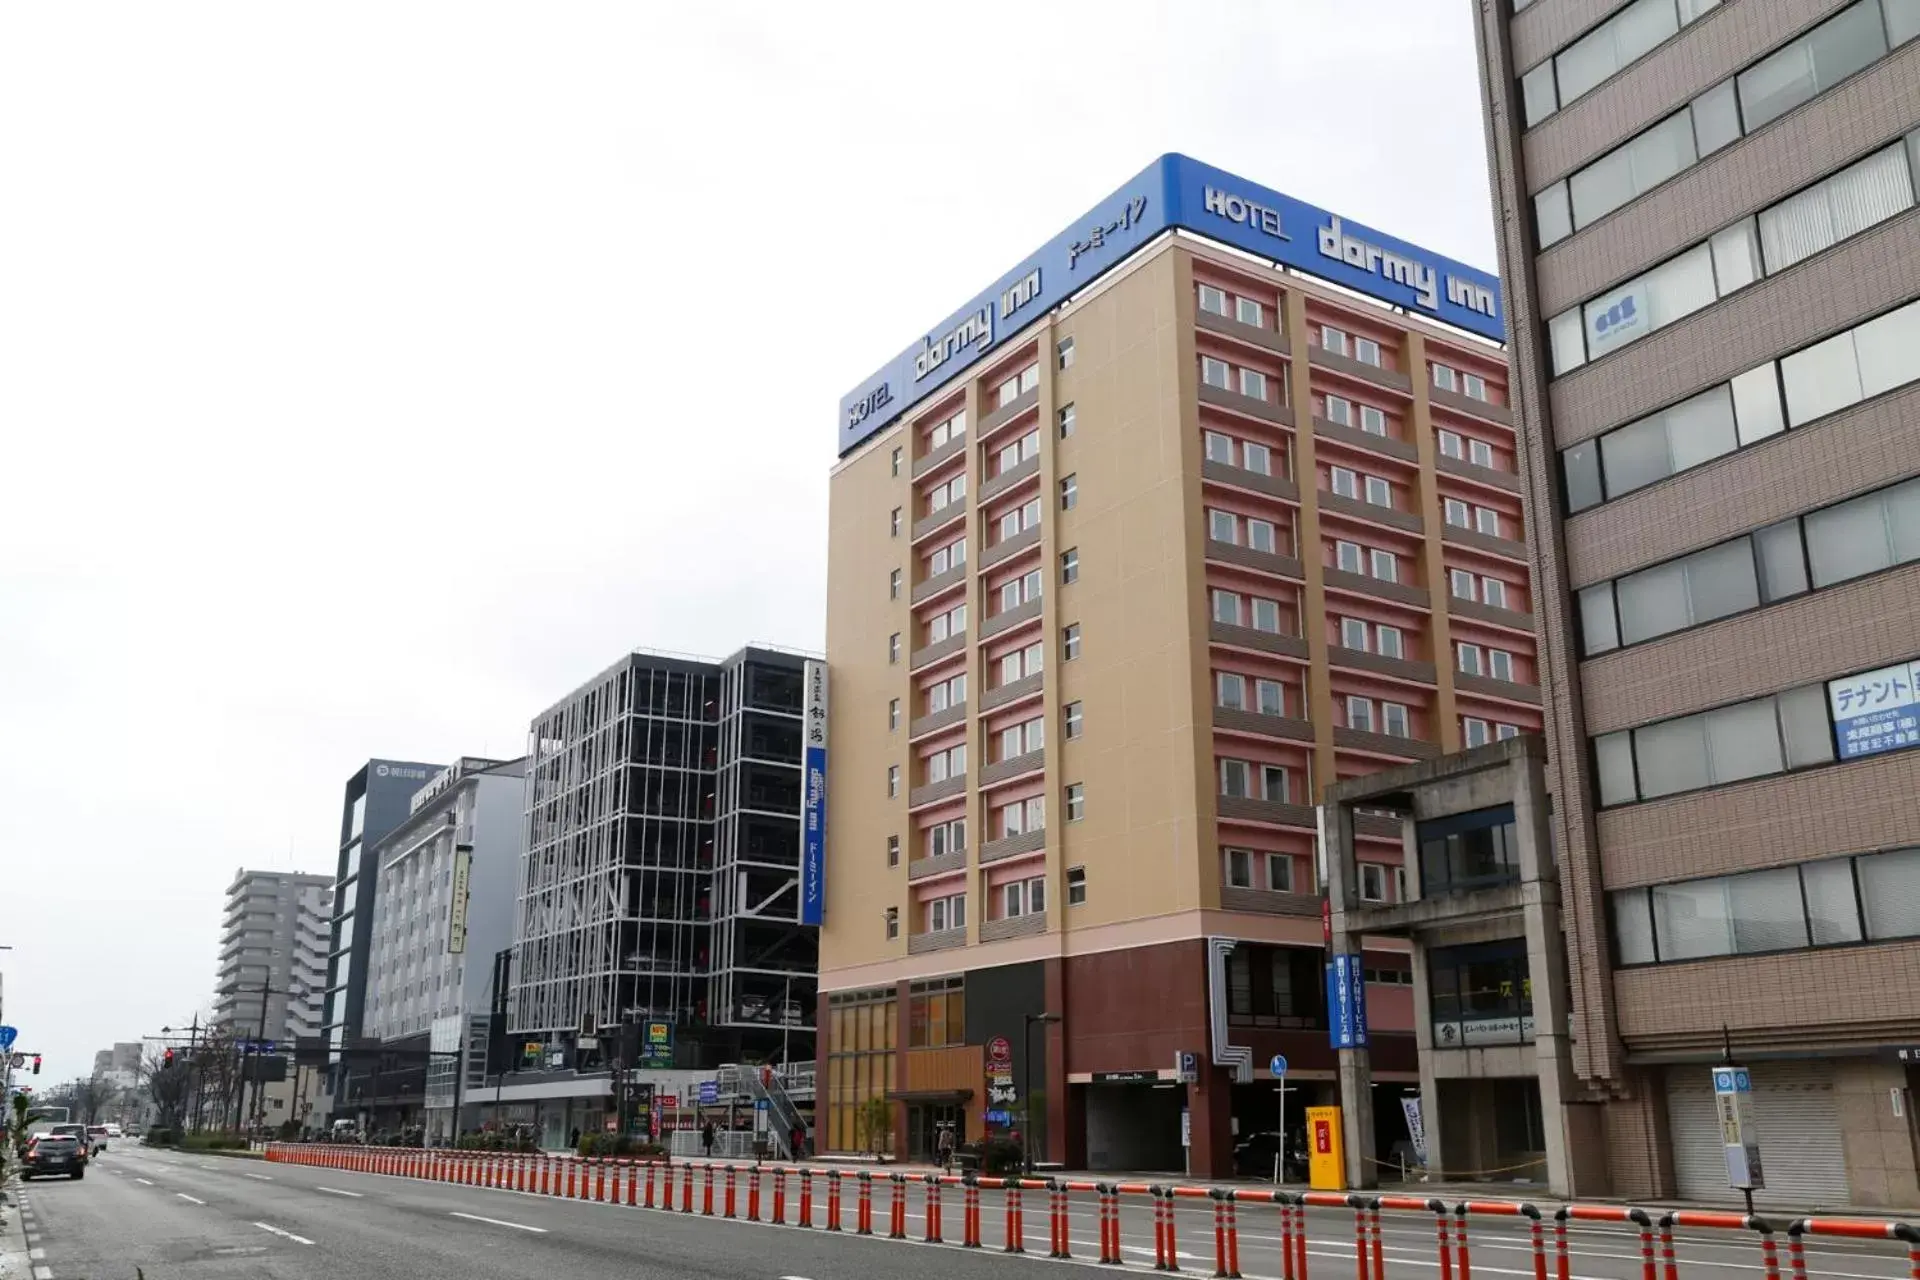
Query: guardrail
x=838 y=1200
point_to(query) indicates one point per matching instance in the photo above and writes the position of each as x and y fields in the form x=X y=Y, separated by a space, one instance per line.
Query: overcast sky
x=373 y=374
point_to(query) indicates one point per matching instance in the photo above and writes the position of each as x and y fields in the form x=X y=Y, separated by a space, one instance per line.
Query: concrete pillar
x=1547 y=970
x=1423 y=1046
x=1355 y=1070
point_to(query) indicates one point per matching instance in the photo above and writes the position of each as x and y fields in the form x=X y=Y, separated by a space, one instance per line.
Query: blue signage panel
x=1876 y=711
x=1279 y=1064
x=7 y=1036
x=1174 y=191
x=709 y=1092
x=1347 y=1002
x=813 y=798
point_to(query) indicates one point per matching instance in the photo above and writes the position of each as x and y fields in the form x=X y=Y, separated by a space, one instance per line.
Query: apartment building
x=273 y=955
x=660 y=883
x=1707 y=231
x=1209 y=502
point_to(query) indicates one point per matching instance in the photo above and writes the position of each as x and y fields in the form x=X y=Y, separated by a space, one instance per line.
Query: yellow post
x=1326 y=1162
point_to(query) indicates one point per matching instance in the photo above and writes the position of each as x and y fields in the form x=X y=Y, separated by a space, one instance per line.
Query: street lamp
x=1026 y=1074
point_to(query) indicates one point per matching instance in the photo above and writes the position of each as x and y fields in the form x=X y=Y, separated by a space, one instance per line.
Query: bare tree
x=167 y=1084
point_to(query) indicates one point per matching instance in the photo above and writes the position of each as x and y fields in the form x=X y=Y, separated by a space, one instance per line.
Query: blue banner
x=1174 y=191
x=813 y=797
x=1347 y=1002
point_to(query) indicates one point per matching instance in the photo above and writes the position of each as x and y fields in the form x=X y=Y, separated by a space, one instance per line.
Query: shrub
x=619 y=1144
x=158 y=1137
x=996 y=1155
x=210 y=1140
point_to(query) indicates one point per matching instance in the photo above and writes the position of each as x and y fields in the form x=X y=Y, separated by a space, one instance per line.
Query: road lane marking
x=260 y=1177
x=189 y=1199
x=499 y=1222
x=287 y=1235
x=143 y=1182
x=43 y=1272
x=37 y=1255
x=335 y=1191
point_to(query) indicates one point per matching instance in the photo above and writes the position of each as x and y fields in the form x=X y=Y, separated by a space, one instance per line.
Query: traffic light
x=36 y=1064
x=166 y=1059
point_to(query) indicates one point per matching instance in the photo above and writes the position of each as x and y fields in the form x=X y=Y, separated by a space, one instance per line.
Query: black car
x=1253 y=1156
x=55 y=1155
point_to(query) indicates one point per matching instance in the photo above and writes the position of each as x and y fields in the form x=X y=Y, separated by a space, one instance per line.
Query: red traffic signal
x=36 y=1064
x=166 y=1059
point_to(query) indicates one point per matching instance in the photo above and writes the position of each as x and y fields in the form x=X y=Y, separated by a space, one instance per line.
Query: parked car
x=97 y=1136
x=1253 y=1156
x=55 y=1155
x=79 y=1132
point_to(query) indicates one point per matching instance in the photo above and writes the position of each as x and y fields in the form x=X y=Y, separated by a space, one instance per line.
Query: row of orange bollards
x=652 y=1185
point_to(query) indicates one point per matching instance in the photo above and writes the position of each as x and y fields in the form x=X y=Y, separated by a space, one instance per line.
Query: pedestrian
x=799 y=1140
x=573 y=1139
x=706 y=1138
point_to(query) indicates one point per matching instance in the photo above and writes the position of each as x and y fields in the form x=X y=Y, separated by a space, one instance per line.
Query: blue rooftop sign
x=1175 y=191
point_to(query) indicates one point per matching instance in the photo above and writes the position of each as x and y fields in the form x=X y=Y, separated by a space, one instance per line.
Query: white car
x=113 y=1131
x=97 y=1136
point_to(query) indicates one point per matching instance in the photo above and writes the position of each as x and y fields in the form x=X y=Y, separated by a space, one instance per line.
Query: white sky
x=373 y=374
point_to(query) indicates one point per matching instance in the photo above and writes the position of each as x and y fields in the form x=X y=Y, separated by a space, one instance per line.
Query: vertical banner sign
x=1733 y=1099
x=1416 y=1127
x=1347 y=1002
x=457 y=908
x=813 y=798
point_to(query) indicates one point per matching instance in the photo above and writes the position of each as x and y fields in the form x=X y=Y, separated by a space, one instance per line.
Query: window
x=1348 y=556
x=951 y=692
x=1487 y=521
x=1236 y=779
x=1256 y=458
x=893 y=584
x=943 y=626
x=1395 y=720
x=1386 y=565
x=947 y=494
x=1387 y=642
x=1223 y=526
x=1461 y=583
x=1064 y=351
x=1230 y=690
x=893 y=780
x=1373 y=421
x=1273 y=784
x=1505 y=731
x=1469 y=658
x=1865 y=534
x=1340 y=410
x=1366 y=351
x=1260 y=535
x=1069 y=493
x=1015 y=387
x=1076 y=801
x=1076 y=886
x=1499 y=664
x=893 y=648
x=1070 y=642
x=1809 y=66
x=1270 y=697
x=1869 y=192
x=1744 y=740
x=1239 y=868
x=1266 y=615
x=1022 y=739
x=1451 y=445
x=1346 y=483
x=951 y=763
x=895 y=460
x=1493 y=592
x=1023 y=816
x=1253 y=384
x=1065 y=417
x=1219 y=448
x=947 y=913
x=1212 y=299
x=1280 y=872
x=1071 y=720
x=1018 y=520
x=944 y=433
x=1226 y=607
x=1853 y=366
x=1022 y=450
x=1360 y=714
x=943 y=838
x=1332 y=339
x=893 y=523
x=893 y=851
x=1618 y=42
x=1024 y=897
x=1373 y=882
x=893 y=923
x=1480 y=453
x=1070 y=566
x=1475 y=732
x=1021 y=590
x=893 y=714
x=1379 y=492
x=1020 y=664
x=1247 y=311
x=1215 y=373
x=1446 y=378
x=951 y=556
x=1353 y=634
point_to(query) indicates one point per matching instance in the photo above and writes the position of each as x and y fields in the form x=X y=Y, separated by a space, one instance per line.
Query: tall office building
x=1707 y=230
x=273 y=952
x=660 y=882
x=1208 y=502
x=443 y=909
x=378 y=798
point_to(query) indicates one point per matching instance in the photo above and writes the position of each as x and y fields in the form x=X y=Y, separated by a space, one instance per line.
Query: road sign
x=7 y=1036
x=1733 y=1098
x=709 y=1092
x=762 y=1104
x=1279 y=1064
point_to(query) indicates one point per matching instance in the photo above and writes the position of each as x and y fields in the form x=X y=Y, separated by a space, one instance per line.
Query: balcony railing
x=938 y=865
x=1014 y=845
x=1379 y=377
x=1026 y=926
x=919 y=944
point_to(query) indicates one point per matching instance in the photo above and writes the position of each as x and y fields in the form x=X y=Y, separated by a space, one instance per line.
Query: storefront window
x=861 y=1030
x=1480 y=994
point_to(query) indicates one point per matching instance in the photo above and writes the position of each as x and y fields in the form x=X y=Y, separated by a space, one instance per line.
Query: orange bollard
x=732 y=1174
x=897 y=1208
x=1016 y=1241
x=806 y=1197
x=863 y=1220
x=633 y=1184
x=706 y=1191
x=686 y=1190
x=1173 y=1247
x=780 y=1197
x=753 y=1194
x=652 y=1173
x=970 y=1213
x=1797 y=1253
x=600 y=1183
x=1226 y=1234
x=833 y=1199
x=932 y=1205
x=1769 y=1254
x=1647 y=1268
x=573 y=1178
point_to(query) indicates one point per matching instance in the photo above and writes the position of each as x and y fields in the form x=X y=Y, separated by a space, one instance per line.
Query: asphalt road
x=164 y=1216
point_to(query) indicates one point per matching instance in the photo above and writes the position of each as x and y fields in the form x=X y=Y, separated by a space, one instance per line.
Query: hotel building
x=1708 y=232
x=1211 y=501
